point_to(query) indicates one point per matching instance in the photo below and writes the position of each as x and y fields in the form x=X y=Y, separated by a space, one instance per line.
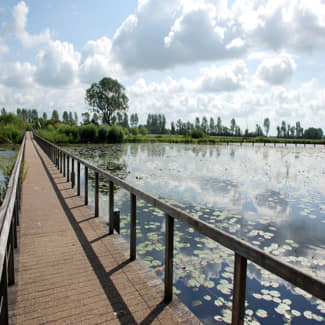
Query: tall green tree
x=44 y=116
x=266 y=125
x=65 y=117
x=55 y=115
x=106 y=98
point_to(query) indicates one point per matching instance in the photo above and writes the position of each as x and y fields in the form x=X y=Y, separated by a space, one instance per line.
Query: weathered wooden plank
x=239 y=290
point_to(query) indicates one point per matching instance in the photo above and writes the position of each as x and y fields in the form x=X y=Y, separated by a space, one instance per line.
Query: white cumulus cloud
x=97 y=62
x=229 y=77
x=277 y=70
x=18 y=28
x=57 y=65
x=19 y=75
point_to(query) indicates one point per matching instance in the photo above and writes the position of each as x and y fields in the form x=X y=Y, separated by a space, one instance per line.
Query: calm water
x=273 y=198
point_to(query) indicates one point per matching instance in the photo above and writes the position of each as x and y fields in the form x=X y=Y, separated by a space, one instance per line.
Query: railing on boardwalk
x=243 y=251
x=9 y=220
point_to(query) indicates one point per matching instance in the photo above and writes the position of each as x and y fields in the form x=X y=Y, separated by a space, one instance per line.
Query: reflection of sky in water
x=271 y=197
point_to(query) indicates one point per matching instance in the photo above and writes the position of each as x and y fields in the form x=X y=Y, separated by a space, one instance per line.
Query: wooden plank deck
x=69 y=270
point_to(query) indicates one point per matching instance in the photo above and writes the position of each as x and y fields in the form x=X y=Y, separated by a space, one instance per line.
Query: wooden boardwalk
x=69 y=270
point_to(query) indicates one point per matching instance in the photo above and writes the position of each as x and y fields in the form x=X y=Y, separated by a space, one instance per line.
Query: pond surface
x=272 y=197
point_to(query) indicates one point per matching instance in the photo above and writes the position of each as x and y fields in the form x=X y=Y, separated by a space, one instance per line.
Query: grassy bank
x=217 y=139
x=60 y=133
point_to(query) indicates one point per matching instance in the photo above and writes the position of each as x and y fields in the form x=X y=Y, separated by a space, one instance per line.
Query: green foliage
x=196 y=134
x=134 y=130
x=12 y=128
x=313 y=133
x=107 y=98
x=88 y=133
x=6 y=165
x=115 y=134
x=143 y=130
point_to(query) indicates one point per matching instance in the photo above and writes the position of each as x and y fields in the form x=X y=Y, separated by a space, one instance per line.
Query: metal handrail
x=9 y=220
x=243 y=250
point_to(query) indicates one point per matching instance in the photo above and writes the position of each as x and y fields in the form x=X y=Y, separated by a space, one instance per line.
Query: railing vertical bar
x=72 y=173
x=64 y=167
x=169 y=253
x=133 y=227
x=78 y=178
x=96 y=195
x=68 y=168
x=15 y=224
x=4 y=319
x=239 y=290
x=60 y=161
x=86 y=185
x=11 y=256
x=111 y=208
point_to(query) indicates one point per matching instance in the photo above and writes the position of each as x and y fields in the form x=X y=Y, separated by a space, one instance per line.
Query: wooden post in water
x=86 y=185
x=78 y=178
x=96 y=195
x=111 y=208
x=133 y=227
x=169 y=254
x=239 y=290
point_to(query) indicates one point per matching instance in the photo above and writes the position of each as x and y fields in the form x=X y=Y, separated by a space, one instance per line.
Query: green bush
x=196 y=134
x=88 y=133
x=102 y=134
x=115 y=134
x=143 y=130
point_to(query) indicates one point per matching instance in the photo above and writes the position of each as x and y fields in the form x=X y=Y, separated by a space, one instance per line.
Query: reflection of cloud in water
x=273 y=201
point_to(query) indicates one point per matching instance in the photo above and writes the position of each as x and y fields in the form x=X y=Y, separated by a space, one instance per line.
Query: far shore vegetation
x=107 y=121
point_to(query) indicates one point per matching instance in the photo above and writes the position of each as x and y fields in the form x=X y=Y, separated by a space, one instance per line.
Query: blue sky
x=247 y=59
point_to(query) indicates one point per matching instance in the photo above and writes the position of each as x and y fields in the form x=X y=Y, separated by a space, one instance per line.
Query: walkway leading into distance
x=69 y=270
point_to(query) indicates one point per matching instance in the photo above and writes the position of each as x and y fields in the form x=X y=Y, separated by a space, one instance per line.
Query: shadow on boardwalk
x=119 y=306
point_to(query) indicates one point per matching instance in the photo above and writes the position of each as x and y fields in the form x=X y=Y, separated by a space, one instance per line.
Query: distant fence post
x=64 y=165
